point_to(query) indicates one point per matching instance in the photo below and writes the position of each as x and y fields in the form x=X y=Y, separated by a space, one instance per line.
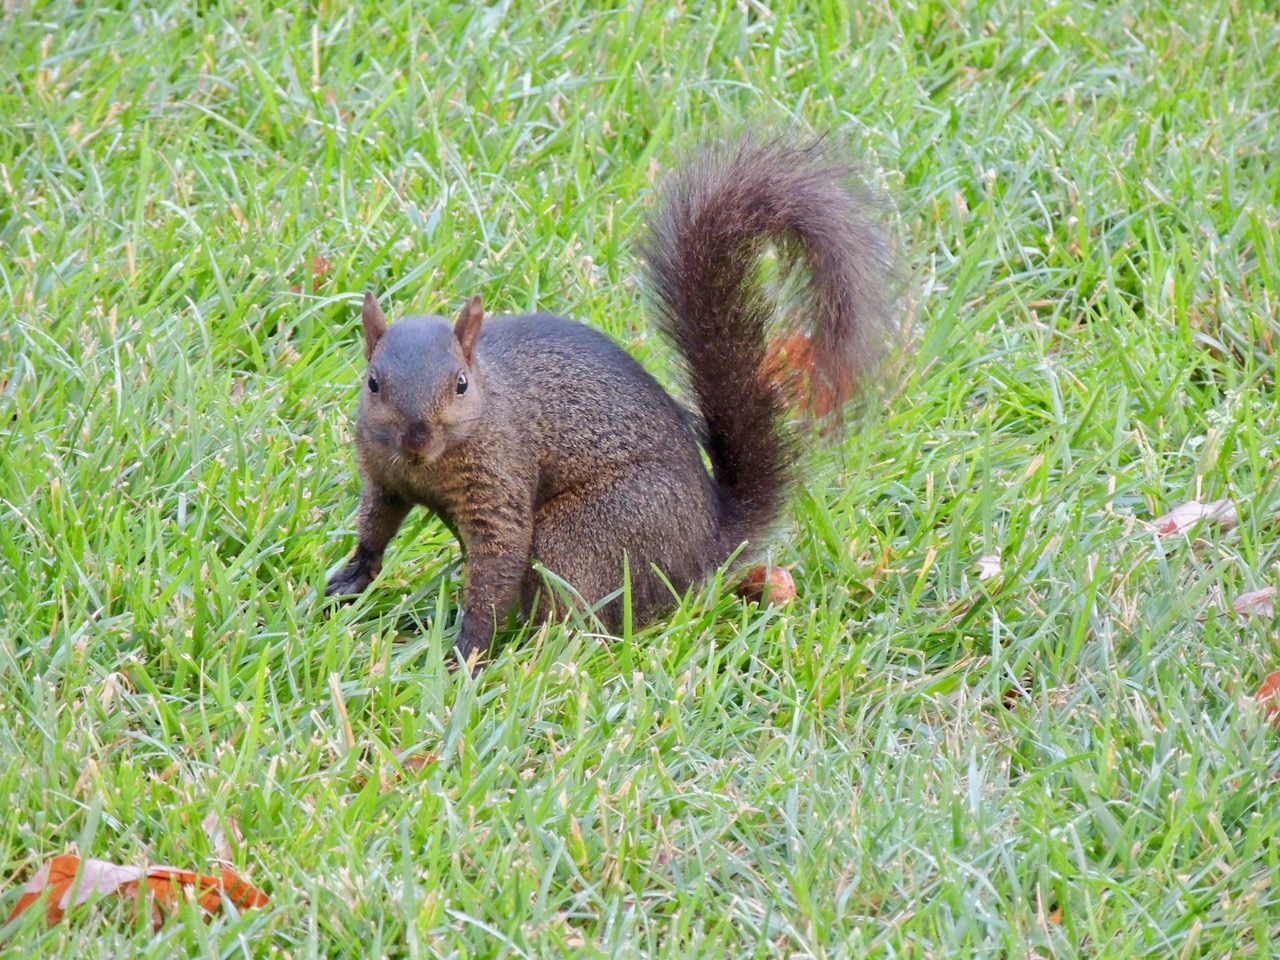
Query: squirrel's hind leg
x=650 y=517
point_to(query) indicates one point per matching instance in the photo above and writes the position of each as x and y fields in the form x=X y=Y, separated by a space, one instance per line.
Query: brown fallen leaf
x=1266 y=697
x=787 y=357
x=168 y=887
x=331 y=99
x=1180 y=519
x=777 y=581
x=417 y=761
x=320 y=266
x=793 y=366
x=388 y=775
x=1260 y=603
x=789 y=364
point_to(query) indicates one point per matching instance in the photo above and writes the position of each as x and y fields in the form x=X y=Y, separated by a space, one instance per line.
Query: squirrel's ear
x=375 y=323
x=467 y=329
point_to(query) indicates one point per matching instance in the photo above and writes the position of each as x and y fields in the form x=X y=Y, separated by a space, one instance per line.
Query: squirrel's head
x=420 y=396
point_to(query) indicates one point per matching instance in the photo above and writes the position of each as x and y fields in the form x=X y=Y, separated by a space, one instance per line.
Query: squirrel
x=537 y=438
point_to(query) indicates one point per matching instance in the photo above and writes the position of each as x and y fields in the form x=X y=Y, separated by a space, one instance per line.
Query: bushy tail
x=702 y=254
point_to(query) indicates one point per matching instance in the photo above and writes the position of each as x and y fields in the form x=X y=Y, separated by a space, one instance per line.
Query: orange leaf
x=242 y=894
x=794 y=352
x=1266 y=696
x=790 y=362
x=788 y=365
x=54 y=877
x=169 y=886
x=320 y=266
x=775 y=581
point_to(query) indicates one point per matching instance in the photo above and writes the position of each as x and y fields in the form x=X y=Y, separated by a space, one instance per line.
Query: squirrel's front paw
x=351 y=579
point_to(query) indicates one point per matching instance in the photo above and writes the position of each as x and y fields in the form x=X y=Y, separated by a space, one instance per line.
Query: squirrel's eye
x=373 y=384
x=462 y=384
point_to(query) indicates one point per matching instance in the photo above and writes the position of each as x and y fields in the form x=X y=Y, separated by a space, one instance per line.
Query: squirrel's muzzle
x=419 y=442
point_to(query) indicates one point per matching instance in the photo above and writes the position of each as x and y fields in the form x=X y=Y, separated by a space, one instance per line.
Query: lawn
x=1063 y=759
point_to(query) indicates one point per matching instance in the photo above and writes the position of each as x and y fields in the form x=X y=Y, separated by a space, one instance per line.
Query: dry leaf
x=988 y=566
x=416 y=761
x=776 y=580
x=1259 y=603
x=789 y=364
x=787 y=355
x=167 y=886
x=331 y=99
x=388 y=776
x=220 y=831
x=320 y=266
x=1266 y=696
x=1182 y=518
x=56 y=877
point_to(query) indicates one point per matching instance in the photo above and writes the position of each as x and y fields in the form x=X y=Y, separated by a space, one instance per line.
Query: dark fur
x=702 y=252
x=565 y=450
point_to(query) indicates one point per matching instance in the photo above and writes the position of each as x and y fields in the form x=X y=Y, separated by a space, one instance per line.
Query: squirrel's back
x=583 y=401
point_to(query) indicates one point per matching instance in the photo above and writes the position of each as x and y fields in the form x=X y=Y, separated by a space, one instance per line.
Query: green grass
x=906 y=762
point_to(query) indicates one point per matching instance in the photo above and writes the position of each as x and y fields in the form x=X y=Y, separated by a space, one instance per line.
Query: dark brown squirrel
x=538 y=438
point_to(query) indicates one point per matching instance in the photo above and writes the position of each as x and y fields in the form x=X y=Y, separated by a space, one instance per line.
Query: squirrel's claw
x=350 y=580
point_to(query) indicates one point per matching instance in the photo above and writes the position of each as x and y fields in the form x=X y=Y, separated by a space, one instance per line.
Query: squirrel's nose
x=416 y=439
